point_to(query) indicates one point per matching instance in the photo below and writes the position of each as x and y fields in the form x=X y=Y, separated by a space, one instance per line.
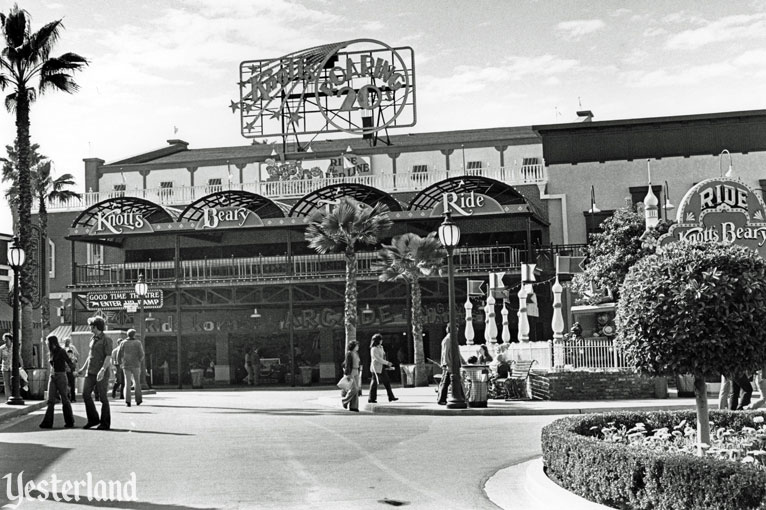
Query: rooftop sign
x=721 y=210
x=358 y=87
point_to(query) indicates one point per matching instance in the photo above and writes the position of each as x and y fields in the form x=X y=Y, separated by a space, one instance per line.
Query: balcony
x=469 y=261
x=276 y=190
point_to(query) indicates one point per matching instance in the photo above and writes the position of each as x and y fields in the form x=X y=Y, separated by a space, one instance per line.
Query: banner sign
x=721 y=210
x=467 y=204
x=118 y=300
x=117 y=221
x=216 y=218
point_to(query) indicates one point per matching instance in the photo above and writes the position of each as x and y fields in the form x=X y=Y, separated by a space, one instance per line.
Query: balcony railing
x=279 y=268
x=391 y=183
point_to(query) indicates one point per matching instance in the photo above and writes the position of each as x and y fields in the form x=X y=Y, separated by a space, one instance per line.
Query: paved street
x=271 y=449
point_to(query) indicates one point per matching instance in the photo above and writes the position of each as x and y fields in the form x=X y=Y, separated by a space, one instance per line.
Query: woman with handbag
x=378 y=367
x=351 y=367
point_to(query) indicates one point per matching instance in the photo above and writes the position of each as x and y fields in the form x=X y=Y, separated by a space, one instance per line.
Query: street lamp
x=142 y=289
x=16 y=258
x=449 y=235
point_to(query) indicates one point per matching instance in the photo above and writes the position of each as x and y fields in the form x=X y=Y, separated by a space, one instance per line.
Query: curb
x=435 y=410
x=7 y=412
x=526 y=486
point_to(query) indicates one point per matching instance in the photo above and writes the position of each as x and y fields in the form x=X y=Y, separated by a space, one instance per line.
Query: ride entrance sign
x=123 y=300
x=721 y=210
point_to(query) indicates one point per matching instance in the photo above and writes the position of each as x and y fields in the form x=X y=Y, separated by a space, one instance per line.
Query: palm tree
x=48 y=189
x=25 y=58
x=349 y=225
x=410 y=258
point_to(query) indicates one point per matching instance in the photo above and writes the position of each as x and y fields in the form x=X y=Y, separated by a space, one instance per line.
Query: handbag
x=345 y=383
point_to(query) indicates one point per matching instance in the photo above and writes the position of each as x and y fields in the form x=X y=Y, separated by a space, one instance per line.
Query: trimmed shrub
x=630 y=477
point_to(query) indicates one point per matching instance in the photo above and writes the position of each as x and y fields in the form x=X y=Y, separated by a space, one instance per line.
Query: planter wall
x=581 y=385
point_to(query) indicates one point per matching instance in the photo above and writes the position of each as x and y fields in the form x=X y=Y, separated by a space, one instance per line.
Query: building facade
x=218 y=233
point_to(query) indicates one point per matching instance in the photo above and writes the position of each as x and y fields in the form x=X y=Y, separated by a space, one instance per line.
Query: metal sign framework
x=361 y=86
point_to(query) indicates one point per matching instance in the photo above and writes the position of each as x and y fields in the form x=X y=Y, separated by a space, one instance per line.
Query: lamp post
x=449 y=235
x=142 y=289
x=16 y=258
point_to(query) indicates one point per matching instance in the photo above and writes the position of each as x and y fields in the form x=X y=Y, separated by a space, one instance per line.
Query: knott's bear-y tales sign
x=721 y=210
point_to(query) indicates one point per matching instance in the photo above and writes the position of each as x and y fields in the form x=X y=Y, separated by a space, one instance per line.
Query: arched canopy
x=261 y=206
x=502 y=193
x=327 y=195
x=147 y=210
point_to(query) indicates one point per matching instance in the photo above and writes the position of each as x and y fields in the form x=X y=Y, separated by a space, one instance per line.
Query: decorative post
x=469 y=334
x=558 y=321
x=506 y=330
x=490 y=333
x=523 y=335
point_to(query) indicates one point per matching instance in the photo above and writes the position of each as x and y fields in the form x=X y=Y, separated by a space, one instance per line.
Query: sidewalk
x=422 y=401
x=7 y=412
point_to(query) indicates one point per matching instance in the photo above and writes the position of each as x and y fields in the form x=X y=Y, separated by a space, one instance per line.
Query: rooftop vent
x=584 y=116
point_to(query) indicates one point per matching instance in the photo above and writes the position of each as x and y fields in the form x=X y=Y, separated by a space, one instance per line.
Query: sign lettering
x=721 y=210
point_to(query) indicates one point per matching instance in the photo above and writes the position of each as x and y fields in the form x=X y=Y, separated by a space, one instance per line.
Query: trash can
x=38 y=383
x=196 y=375
x=478 y=375
x=306 y=376
x=407 y=373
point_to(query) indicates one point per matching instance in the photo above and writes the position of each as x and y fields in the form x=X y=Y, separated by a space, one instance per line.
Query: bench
x=516 y=383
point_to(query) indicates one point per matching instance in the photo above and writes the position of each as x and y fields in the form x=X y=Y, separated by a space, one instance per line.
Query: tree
x=24 y=59
x=695 y=309
x=46 y=189
x=408 y=258
x=613 y=252
x=343 y=229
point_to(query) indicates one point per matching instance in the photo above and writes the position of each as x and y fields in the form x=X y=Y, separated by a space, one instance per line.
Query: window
x=214 y=185
x=530 y=161
x=95 y=254
x=118 y=190
x=419 y=172
x=474 y=167
x=166 y=189
x=51 y=259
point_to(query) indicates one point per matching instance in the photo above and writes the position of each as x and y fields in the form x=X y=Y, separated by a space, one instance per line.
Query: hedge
x=630 y=478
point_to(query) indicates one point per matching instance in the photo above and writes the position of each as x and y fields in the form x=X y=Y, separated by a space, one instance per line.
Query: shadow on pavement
x=239 y=410
x=31 y=459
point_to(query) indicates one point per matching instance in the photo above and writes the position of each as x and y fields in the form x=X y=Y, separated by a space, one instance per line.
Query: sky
x=163 y=69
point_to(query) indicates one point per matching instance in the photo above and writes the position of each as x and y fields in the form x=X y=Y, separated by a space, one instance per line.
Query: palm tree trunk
x=421 y=378
x=45 y=302
x=349 y=315
x=24 y=227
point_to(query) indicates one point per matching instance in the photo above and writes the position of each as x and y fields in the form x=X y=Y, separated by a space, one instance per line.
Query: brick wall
x=594 y=385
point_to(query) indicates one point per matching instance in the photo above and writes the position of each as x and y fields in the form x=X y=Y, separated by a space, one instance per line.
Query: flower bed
x=609 y=459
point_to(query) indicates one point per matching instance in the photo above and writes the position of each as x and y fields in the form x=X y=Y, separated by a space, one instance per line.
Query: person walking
x=255 y=358
x=741 y=392
x=351 y=365
x=447 y=375
x=57 y=384
x=761 y=381
x=119 y=378
x=379 y=373
x=249 y=365
x=97 y=368
x=73 y=355
x=6 y=355
x=129 y=356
